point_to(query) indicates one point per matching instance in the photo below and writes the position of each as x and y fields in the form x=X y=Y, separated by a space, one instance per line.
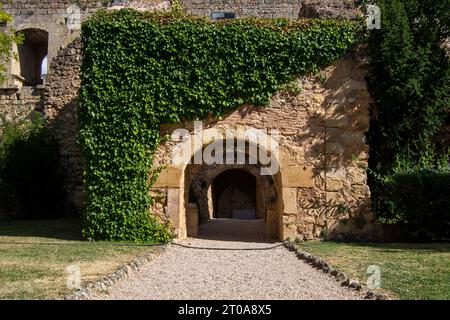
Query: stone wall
x=321 y=188
x=51 y=16
x=16 y=100
x=290 y=9
x=60 y=107
x=16 y=104
x=57 y=98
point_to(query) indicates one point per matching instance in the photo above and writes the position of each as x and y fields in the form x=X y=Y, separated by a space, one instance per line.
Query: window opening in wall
x=218 y=15
x=33 y=56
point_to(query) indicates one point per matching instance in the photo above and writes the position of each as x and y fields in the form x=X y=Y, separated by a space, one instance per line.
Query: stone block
x=333 y=160
x=290 y=232
x=289 y=218
x=353 y=138
x=272 y=224
x=192 y=220
x=299 y=177
x=333 y=134
x=174 y=210
x=333 y=147
x=290 y=200
x=335 y=180
x=170 y=177
x=334 y=185
x=337 y=122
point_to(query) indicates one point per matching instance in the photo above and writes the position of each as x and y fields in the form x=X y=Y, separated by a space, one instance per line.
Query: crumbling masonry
x=320 y=189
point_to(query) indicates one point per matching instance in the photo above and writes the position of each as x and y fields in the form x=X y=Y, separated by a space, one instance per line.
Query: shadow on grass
x=60 y=229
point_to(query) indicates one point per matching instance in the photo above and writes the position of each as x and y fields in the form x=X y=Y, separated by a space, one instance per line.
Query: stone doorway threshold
x=235 y=230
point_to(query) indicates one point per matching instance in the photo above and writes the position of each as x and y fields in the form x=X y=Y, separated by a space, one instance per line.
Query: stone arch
x=177 y=178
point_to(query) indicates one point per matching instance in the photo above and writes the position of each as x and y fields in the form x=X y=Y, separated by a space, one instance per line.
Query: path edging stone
x=340 y=276
x=121 y=273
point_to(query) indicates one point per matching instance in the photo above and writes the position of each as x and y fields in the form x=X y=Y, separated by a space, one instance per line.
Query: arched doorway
x=187 y=184
x=234 y=195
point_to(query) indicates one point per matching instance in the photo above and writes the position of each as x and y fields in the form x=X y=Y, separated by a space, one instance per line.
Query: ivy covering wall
x=144 y=69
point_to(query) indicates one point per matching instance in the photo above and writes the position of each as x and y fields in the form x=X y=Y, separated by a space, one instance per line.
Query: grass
x=31 y=270
x=408 y=271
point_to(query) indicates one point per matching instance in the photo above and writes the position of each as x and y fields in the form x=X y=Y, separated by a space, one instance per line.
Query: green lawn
x=408 y=271
x=35 y=271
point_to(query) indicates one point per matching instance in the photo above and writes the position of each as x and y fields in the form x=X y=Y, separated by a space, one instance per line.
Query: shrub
x=420 y=200
x=31 y=178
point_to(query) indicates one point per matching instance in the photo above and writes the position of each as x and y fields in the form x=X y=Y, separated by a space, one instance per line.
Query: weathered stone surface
x=290 y=232
x=289 y=218
x=334 y=185
x=173 y=211
x=19 y=104
x=351 y=84
x=328 y=9
x=290 y=200
x=291 y=9
x=334 y=134
x=192 y=220
x=169 y=177
x=308 y=139
x=302 y=177
x=334 y=147
x=273 y=224
x=337 y=122
x=353 y=138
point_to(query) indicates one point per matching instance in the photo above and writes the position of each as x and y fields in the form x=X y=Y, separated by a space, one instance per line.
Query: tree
x=409 y=79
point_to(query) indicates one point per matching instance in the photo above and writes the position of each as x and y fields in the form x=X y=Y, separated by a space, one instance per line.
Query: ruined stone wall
x=290 y=9
x=60 y=107
x=243 y=8
x=19 y=104
x=321 y=189
x=16 y=100
x=57 y=98
x=51 y=16
x=323 y=155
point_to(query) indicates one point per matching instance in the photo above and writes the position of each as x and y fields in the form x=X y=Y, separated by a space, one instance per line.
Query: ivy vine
x=141 y=70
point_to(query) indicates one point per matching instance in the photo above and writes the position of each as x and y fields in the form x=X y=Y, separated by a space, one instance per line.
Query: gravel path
x=185 y=273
